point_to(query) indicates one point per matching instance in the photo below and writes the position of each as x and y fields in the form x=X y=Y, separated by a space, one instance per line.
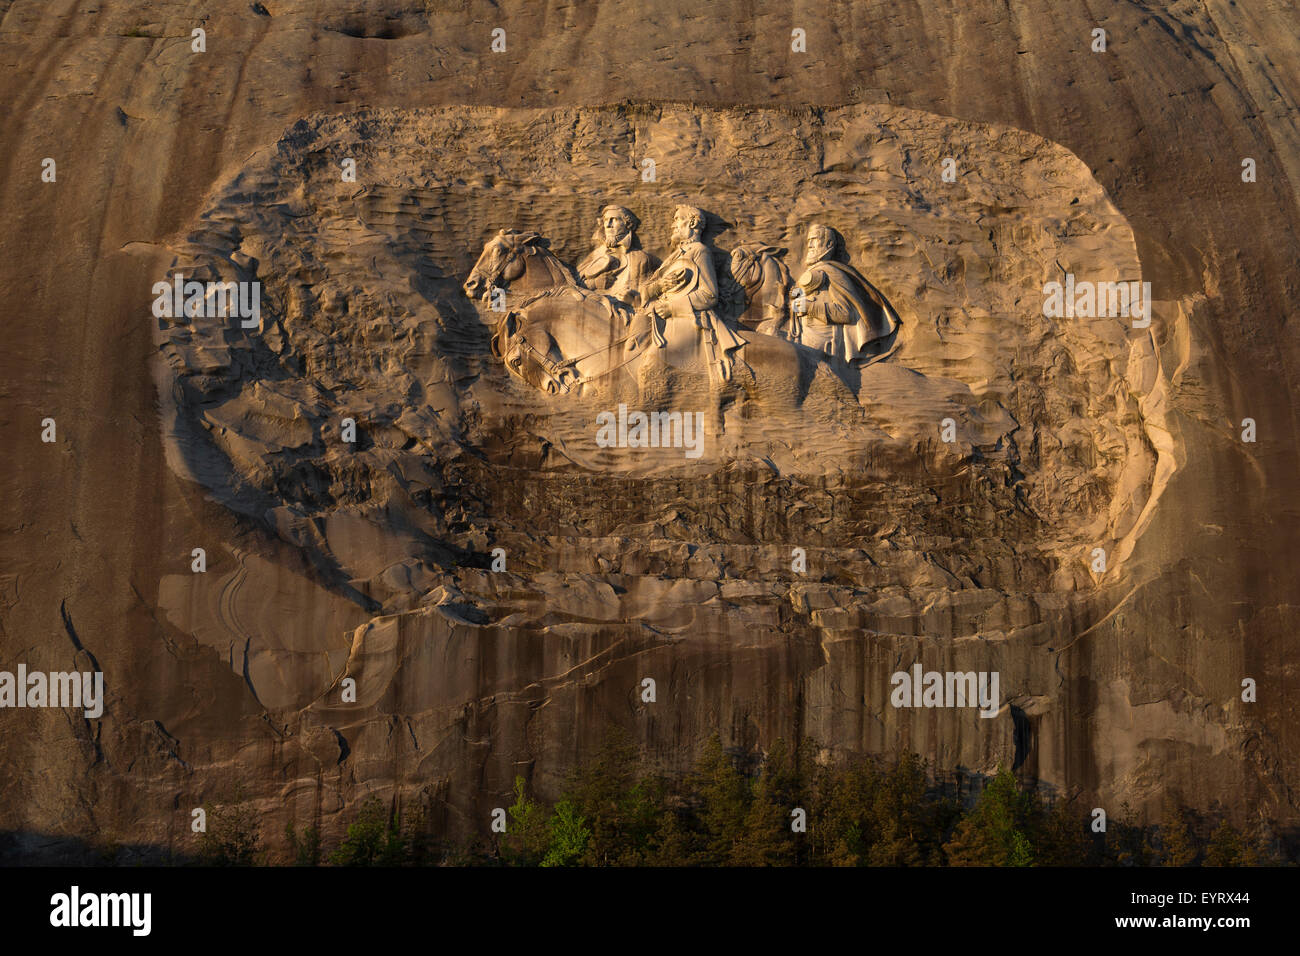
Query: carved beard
x=816 y=254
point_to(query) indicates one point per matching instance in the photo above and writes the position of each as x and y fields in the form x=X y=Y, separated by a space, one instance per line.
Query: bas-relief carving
x=618 y=266
x=623 y=312
x=838 y=311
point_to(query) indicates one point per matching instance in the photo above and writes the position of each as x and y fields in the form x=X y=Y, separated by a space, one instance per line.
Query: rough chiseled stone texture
x=373 y=563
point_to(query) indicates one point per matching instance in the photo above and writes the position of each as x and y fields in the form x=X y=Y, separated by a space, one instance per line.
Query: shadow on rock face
x=948 y=509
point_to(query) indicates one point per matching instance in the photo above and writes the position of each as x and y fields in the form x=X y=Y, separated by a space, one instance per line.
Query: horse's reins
x=556 y=369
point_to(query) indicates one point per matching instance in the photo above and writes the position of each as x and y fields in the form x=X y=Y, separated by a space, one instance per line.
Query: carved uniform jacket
x=843 y=312
x=618 y=271
x=691 y=293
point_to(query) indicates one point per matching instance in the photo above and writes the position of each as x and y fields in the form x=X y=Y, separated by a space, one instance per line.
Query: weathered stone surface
x=373 y=563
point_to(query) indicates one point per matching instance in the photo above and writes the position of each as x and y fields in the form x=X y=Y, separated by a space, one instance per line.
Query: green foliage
x=1177 y=846
x=527 y=832
x=232 y=837
x=621 y=805
x=373 y=839
x=569 y=836
x=1002 y=828
x=1065 y=837
x=1126 y=843
x=671 y=844
x=723 y=796
x=1257 y=847
x=900 y=826
x=305 y=850
x=841 y=825
x=734 y=809
x=765 y=837
x=1225 y=847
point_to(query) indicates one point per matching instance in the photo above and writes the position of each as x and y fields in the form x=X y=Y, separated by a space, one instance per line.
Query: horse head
x=504 y=260
x=753 y=264
x=761 y=272
x=535 y=364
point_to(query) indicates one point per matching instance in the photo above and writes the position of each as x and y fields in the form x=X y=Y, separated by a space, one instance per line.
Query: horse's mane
x=609 y=304
x=557 y=267
x=760 y=263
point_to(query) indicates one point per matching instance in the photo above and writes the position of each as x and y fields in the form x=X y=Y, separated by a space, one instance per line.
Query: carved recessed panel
x=371 y=312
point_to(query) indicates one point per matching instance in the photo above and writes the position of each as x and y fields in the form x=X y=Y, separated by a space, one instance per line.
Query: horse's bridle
x=491 y=280
x=564 y=374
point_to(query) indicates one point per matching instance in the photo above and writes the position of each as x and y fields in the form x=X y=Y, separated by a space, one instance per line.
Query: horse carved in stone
x=558 y=336
x=555 y=334
x=766 y=281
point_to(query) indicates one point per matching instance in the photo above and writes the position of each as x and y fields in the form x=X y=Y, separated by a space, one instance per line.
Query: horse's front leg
x=562 y=373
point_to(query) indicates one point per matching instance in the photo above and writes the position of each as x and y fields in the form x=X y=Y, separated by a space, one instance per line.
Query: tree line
x=781 y=808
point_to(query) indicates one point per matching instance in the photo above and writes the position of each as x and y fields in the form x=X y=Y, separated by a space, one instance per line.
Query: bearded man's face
x=819 y=246
x=681 y=227
x=615 y=230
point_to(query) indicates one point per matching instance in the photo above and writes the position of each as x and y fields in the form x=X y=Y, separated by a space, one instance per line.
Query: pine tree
x=1176 y=844
x=672 y=844
x=1257 y=846
x=766 y=838
x=1000 y=830
x=1127 y=844
x=1225 y=847
x=842 y=795
x=898 y=815
x=621 y=807
x=724 y=802
x=1065 y=840
x=233 y=834
x=304 y=850
x=420 y=844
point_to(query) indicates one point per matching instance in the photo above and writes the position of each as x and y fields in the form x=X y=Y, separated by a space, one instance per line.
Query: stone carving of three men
x=833 y=308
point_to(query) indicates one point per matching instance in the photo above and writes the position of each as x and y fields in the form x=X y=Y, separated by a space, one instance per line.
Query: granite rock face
x=371 y=562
